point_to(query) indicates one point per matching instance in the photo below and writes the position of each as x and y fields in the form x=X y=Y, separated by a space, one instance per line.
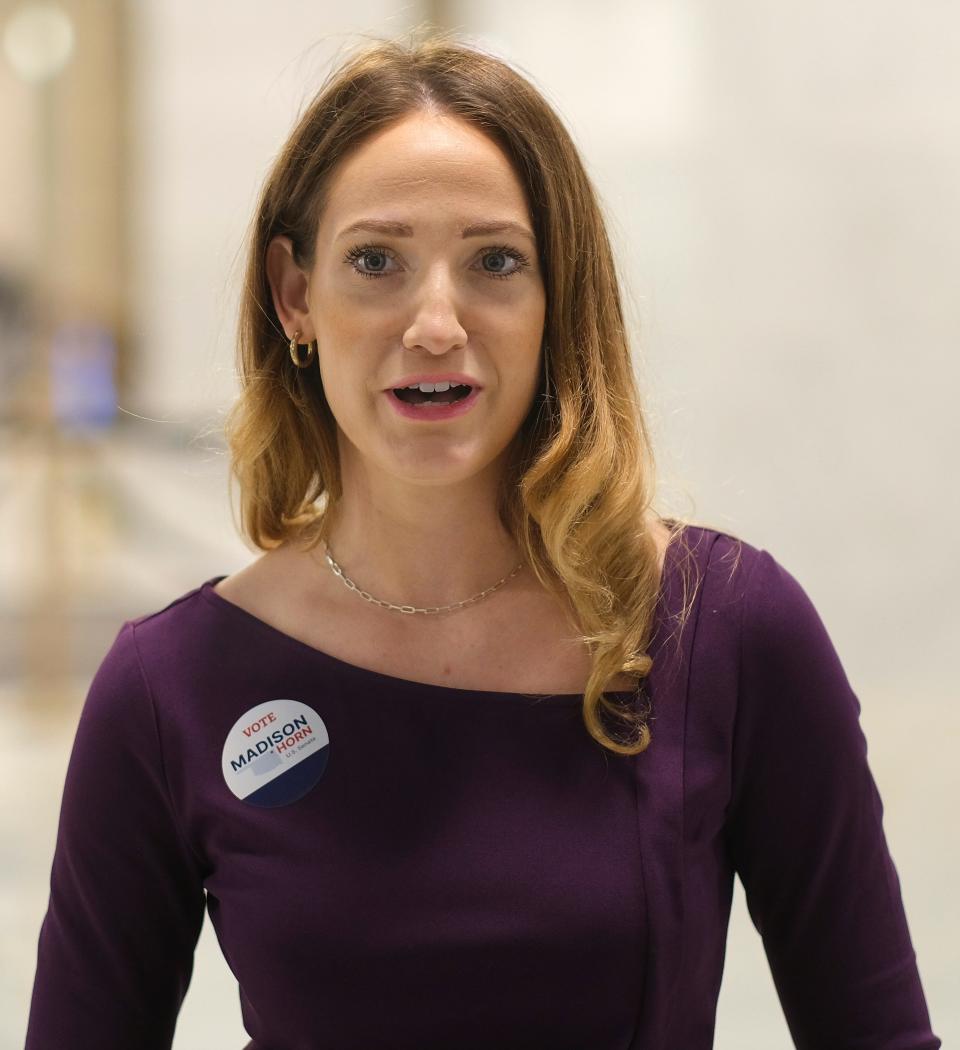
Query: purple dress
x=391 y=865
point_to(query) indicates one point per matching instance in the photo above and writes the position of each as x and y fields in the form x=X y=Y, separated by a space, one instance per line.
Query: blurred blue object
x=82 y=390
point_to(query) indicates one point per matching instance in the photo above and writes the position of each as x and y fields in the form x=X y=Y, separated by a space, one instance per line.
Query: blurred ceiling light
x=38 y=41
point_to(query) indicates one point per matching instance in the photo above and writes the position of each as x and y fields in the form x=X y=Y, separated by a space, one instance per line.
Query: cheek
x=338 y=321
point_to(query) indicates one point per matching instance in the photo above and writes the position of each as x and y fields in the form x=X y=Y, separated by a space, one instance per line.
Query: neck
x=422 y=545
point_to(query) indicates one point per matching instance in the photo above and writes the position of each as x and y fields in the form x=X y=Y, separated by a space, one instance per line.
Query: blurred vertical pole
x=78 y=282
x=126 y=125
x=48 y=639
x=45 y=625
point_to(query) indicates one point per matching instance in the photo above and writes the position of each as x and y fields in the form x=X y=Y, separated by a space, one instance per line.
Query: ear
x=288 y=286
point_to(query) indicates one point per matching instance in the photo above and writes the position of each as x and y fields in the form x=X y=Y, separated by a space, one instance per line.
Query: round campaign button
x=275 y=753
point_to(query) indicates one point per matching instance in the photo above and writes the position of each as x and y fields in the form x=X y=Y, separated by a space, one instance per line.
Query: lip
x=435 y=377
x=433 y=413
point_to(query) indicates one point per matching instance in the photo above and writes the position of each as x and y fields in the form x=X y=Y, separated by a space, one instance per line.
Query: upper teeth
x=429 y=388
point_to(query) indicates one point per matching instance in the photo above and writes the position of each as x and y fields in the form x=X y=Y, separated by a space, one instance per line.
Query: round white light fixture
x=38 y=41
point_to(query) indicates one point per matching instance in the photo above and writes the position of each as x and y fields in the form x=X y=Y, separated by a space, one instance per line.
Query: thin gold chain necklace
x=337 y=571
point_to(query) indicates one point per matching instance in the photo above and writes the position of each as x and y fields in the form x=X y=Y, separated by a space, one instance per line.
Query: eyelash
x=364 y=249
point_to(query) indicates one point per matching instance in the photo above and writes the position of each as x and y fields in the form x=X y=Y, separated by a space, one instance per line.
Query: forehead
x=434 y=163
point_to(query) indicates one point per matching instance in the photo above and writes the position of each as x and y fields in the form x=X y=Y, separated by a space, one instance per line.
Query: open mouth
x=438 y=397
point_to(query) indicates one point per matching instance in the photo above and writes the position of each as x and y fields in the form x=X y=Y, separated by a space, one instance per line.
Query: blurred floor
x=130 y=525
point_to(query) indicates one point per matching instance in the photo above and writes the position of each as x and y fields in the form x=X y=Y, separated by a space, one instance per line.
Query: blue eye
x=375 y=259
x=368 y=252
x=510 y=253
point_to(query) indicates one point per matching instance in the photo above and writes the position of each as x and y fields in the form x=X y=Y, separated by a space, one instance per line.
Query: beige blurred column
x=78 y=276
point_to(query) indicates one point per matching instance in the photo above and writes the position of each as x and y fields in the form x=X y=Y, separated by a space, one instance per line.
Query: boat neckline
x=217 y=600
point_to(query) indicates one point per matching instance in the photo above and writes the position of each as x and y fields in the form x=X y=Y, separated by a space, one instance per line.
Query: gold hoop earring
x=295 y=352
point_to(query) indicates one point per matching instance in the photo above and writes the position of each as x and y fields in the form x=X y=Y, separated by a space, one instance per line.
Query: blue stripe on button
x=292 y=785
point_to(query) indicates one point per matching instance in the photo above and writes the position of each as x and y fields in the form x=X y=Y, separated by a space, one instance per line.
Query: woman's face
x=402 y=287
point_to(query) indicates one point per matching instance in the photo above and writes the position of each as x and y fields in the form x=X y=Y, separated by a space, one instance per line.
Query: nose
x=435 y=326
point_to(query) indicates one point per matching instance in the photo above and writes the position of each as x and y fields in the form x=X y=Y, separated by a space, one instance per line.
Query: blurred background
x=781 y=180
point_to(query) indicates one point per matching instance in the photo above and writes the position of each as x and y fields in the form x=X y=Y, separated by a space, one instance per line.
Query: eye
x=520 y=260
x=375 y=259
x=370 y=260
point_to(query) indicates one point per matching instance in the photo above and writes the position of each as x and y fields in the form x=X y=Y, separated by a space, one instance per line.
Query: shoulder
x=775 y=614
x=181 y=634
x=783 y=635
x=176 y=607
x=758 y=620
x=730 y=575
x=709 y=560
x=166 y=665
x=755 y=625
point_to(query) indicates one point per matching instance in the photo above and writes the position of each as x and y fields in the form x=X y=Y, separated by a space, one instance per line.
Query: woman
x=470 y=755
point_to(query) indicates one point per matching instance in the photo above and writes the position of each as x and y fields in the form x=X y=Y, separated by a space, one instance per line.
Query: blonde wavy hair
x=580 y=477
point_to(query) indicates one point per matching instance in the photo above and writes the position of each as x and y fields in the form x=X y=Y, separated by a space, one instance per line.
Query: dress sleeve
x=115 y=951
x=806 y=834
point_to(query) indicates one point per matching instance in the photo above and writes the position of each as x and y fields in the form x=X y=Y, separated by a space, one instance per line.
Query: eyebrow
x=402 y=229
